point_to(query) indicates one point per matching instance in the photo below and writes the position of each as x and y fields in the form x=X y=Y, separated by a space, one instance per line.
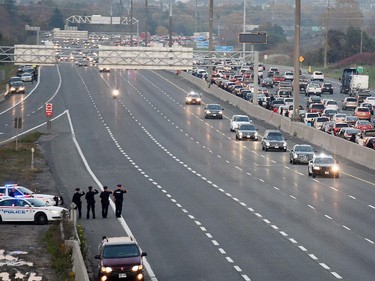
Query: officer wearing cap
x=104 y=199
x=77 y=200
x=118 y=194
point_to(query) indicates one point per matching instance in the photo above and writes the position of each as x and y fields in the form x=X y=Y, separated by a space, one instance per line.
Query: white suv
x=317 y=76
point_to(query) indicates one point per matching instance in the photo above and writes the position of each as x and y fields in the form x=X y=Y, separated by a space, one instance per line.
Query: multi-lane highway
x=202 y=205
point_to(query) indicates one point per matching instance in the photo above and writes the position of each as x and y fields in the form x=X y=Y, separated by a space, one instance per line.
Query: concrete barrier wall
x=337 y=146
x=79 y=267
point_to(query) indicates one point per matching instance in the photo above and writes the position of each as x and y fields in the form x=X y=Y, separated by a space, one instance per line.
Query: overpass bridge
x=120 y=57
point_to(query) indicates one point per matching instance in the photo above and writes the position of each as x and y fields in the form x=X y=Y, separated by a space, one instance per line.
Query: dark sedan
x=327 y=88
x=246 y=132
x=213 y=111
x=301 y=153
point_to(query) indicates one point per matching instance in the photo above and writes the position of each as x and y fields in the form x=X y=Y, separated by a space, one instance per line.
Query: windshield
x=36 y=202
x=120 y=251
x=214 y=106
x=25 y=190
x=242 y=119
x=304 y=148
x=324 y=160
x=247 y=127
x=275 y=136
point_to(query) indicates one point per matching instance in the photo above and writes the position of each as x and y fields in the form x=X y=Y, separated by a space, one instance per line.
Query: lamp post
x=170 y=23
x=326 y=36
x=296 y=60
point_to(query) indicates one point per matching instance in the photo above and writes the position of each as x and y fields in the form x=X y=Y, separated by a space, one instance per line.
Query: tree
x=57 y=19
x=10 y=6
x=275 y=36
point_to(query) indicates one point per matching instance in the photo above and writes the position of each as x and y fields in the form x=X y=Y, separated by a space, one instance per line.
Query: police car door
x=19 y=210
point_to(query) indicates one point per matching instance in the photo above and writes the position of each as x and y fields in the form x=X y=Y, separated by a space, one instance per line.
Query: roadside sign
x=223 y=48
x=201 y=45
x=49 y=110
x=360 y=69
x=301 y=59
x=252 y=38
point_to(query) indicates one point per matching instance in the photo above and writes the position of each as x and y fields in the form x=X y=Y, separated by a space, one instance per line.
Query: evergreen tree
x=57 y=19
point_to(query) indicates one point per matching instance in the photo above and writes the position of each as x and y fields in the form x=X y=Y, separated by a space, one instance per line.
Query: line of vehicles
x=16 y=84
x=321 y=113
x=244 y=128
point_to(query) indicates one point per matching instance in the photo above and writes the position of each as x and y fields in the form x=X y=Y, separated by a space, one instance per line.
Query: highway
x=201 y=204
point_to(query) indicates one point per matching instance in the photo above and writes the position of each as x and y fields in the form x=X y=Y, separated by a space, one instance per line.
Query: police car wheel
x=41 y=219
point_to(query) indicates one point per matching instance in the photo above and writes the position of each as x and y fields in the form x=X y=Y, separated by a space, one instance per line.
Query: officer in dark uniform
x=104 y=199
x=90 y=199
x=77 y=200
x=118 y=194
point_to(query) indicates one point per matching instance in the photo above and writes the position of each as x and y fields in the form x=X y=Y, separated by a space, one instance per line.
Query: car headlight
x=335 y=168
x=284 y=143
x=198 y=99
x=220 y=112
x=316 y=168
x=267 y=143
x=240 y=133
x=137 y=267
x=208 y=112
x=256 y=134
x=105 y=269
x=12 y=88
x=188 y=99
x=295 y=156
x=55 y=212
x=22 y=88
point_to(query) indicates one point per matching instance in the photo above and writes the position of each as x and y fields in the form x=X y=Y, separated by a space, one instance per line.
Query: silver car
x=273 y=139
x=237 y=120
x=301 y=153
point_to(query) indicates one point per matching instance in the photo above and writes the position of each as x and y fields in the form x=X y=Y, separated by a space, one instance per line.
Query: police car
x=30 y=209
x=14 y=190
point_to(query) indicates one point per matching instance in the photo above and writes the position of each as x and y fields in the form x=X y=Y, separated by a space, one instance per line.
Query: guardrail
x=335 y=145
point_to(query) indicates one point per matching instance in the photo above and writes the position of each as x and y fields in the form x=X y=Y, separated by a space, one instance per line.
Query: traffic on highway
x=202 y=202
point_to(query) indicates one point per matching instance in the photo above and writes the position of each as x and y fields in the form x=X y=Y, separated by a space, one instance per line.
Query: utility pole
x=210 y=41
x=326 y=36
x=296 y=60
x=170 y=23
x=131 y=23
x=146 y=25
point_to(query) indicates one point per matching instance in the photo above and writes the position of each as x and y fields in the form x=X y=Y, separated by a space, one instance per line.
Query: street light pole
x=170 y=23
x=210 y=40
x=146 y=25
x=296 y=61
x=131 y=23
x=326 y=37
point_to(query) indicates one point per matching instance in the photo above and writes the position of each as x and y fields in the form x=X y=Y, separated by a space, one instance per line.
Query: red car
x=363 y=125
x=337 y=127
x=316 y=107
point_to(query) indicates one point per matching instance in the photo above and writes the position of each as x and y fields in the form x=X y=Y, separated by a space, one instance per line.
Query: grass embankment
x=16 y=168
x=10 y=70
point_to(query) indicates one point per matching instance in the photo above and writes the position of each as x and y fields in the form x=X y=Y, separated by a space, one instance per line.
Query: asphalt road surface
x=202 y=205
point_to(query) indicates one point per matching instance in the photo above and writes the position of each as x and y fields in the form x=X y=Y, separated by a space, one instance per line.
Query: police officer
x=104 y=199
x=77 y=200
x=90 y=199
x=118 y=194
